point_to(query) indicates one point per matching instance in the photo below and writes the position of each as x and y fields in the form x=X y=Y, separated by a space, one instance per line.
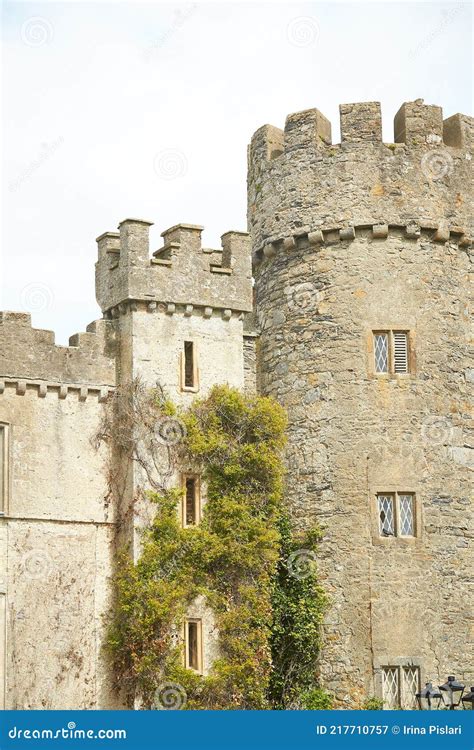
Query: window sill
x=392 y=376
x=396 y=539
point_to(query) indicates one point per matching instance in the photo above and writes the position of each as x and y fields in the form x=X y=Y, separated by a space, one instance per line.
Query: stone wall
x=56 y=529
x=349 y=240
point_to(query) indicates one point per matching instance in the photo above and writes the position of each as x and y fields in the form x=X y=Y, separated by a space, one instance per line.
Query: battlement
x=29 y=357
x=299 y=180
x=181 y=271
x=415 y=124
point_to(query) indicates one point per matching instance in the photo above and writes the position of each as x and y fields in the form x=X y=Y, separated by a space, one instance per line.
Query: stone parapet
x=181 y=271
x=30 y=354
x=299 y=180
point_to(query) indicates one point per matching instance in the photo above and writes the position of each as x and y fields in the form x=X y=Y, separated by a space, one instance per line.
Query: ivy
x=298 y=606
x=268 y=619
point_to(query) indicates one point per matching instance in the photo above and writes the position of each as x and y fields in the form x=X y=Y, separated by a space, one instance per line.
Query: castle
x=356 y=322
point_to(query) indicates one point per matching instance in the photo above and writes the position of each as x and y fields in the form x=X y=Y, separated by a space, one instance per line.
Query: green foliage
x=316 y=700
x=235 y=558
x=298 y=606
x=373 y=704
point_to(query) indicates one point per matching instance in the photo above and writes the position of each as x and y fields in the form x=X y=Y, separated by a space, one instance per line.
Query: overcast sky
x=113 y=110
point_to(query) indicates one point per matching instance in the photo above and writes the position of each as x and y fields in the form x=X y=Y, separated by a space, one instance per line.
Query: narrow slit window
x=386 y=515
x=400 y=349
x=3 y=467
x=381 y=352
x=191 y=501
x=193 y=644
x=189 y=365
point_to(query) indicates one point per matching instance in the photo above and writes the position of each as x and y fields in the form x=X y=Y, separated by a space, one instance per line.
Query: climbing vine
x=267 y=614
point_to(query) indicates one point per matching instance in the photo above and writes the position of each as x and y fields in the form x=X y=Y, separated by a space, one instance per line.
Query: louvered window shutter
x=400 y=342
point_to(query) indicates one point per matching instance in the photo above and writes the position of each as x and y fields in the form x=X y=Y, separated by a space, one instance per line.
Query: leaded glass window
x=396 y=514
x=386 y=515
x=381 y=352
x=407 y=521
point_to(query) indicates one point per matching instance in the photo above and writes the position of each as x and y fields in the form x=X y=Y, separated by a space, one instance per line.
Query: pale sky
x=115 y=110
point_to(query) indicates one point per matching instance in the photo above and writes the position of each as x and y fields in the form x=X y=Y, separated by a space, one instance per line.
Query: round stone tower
x=361 y=254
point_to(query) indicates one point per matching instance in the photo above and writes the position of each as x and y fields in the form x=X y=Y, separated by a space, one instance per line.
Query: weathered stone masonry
x=347 y=239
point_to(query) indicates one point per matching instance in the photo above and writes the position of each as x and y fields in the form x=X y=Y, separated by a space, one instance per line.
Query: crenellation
x=361 y=122
x=186 y=235
x=134 y=242
x=419 y=178
x=308 y=128
x=182 y=271
x=30 y=353
x=268 y=142
x=417 y=123
x=458 y=131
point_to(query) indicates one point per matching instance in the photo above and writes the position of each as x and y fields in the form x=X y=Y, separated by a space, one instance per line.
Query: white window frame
x=391 y=334
x=404 y=700
x=4 y=467
x=396 y=495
